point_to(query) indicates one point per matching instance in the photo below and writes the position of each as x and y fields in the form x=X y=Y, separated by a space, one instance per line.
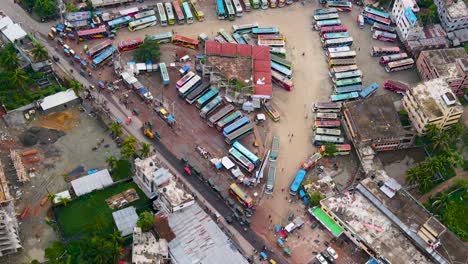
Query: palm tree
x=145 y=149
x=51 y=197
x=441 y=200
x=76 y=86
x=39 y=52
x=434 y=164
x=452 y=158
x=425 y=183
x=111 y=162
x=414 y=174
x=116 y=129
x=130 y=142
x=128 y=153
x=330 y=150
x=64 y=200
x=18 y=78
x=129 y=147
x=439 y=138
x=8 y=59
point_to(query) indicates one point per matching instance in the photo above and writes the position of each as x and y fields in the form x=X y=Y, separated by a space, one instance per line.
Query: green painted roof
x=331 y=225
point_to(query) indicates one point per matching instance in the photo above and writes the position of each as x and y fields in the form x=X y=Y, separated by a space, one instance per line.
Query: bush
x=122 y=170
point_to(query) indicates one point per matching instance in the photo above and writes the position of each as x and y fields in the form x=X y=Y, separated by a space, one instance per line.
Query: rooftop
x=89 y=183
x=57 y=99
x=175 y=195
x=125 y=220
x=146 y=249
x=13 y=32
x=456 y=9
x=443 y=60
x=374 y=118
x=152 y=169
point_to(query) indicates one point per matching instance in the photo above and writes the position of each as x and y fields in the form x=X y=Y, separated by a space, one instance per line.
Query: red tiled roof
x=262 y=84
x=261 y=66
x=244 y=50
x=261 y=52
x=229 y=49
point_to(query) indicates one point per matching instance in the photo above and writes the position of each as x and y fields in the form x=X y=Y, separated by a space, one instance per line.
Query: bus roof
x=91 y=31
x=186 y=39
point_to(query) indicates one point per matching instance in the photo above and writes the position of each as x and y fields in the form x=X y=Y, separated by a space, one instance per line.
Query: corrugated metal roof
x=228 y=49
x=125 y=220
x=92 y=182
x=57 y=99
x=14 y=32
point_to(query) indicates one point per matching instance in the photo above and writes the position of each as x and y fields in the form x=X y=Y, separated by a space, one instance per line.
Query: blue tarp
x=170 y=118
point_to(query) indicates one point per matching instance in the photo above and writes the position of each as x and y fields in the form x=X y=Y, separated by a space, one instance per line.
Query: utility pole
x=61 y=7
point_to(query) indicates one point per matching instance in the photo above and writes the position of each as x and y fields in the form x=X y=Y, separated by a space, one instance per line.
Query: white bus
x=170 y=13
x=189 y=86
x=238 y=8
x=162 y=14
x=145 y=14
x=142 y=23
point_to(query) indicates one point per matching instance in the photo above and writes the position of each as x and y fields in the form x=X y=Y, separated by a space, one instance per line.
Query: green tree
x=145 y=149
x=111 y=162
x=145 y=221
x=129 y=148
x=45 y=8
x=461 y=183
x=434 y=164
x=70 y=7
x=8 y=59
x=441 y=200
x=451 y=158
x=315 y=198
x=90 y=6
x=116 y=129
x=51 y=197
x=76 y=86
x=330 y=150
x=39 y=52
x=18 y=79
x=149 y=51
x=55 y=252
x=98 y=250
x=64 y=200
x=414 y=174
x=438 y=138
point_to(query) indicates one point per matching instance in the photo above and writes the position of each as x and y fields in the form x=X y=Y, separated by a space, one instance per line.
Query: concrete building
x=403 y=15
x=434 y=103
x=449 y=64
x=172 y=198
x=150 y=175
x=125 y=220
x=147 y=250
x=432 y=37
x=374 y=122
x=453 y=14
x=9 y=229
x=59 y=101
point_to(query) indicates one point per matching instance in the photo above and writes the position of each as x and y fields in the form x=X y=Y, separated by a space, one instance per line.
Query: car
x=327 y=257
x=332 y=252
x=321 y=259
x=314 y=225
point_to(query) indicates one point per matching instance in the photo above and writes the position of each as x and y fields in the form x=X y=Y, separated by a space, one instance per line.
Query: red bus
x=332 y=29
x=373 y=18
x=95 y=50
x=282 y=81
x=396 y=86
x=178 y=12
x=394 y=57
x=185 y=42
x=327 y=123
x=381 y=51
x=272 y=36
x=94 y=33
x=127 y=45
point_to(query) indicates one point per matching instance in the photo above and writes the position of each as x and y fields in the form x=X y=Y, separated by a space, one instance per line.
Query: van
x=185 y=58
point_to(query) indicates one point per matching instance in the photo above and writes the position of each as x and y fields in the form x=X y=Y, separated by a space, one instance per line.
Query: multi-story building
x=432 y=102
x=147 y=250
x=150 y=175
x=453 y=14
x=403 y=14
x=432 y=37
x=449 y=64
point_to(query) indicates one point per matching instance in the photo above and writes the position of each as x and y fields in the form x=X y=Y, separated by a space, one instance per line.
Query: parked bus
x=346 y=75
x=322 y=139
x=381 y=51
x=236 y=125
x=197 y=10
x=327 y=23
x=281 y=69
x=341 y=62
x=326 y=123
x=321 y=115
x=272 y=3
x=185 y=42
x=220 y=39
x=342 y=6
x=161 y=38
x=360 y=21
x=238 y=8
x=178 y=12
x=271 y=43
x=143 y=14
x=220 y=9
x=297 y=182
x=94 y=33
x=334 y=36
x=270 y=182
x=264 y=4
x=394 y=57
x=226 y=36
x=241 y=196
x=204 y=99
x=238 y=38
x=337 y=42
x=369 y=10
x=169 y=13
x=337 y=49
x=255 y=4
x=239 y=133
x=103 y=57
x=271 y=111
x=246 y=152
x=241 y=160
x=228 y=120
x=164 y=73
x=343 y=149
x=196 y=93
x=396 y=86
x=190 y=86
x=384 y=36
x=127 y=45
x=98 y=48
x=187 y=12
x=129 y=12
x=281 y=81
x=328 y=131
x=162 y=14
x=182 y=81
x=310 y=162
x=272 y=36
x=348 y=82
x=278 y=51
x=342 y=55
x=325 y=11
x=142 y=23
x=246 y=5
x=332 y=29
x=319 y=106
x=380 y=27
x=231 y=14
x=326 y=16
x=211 y=106
x=226 y=110
x=348 y=89
x=119 y=23
x=245 y=28
x=399 y=65
x=344 y=96
x=249 y=39
x=372 y=19
x=274 y=148
x=281 y=61
x=338 y=69
x=265 y=31
x=369 y=90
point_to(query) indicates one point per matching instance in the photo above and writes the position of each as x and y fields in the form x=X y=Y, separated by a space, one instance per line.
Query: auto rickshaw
x=263 y=255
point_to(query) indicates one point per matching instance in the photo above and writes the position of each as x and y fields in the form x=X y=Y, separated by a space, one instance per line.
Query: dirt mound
x=40 y=135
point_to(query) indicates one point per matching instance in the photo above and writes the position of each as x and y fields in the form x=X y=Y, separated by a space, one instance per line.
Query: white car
x=332 y=252
x=321 y=259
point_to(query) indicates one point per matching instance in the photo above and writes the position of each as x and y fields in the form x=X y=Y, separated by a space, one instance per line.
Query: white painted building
x=453 y=14
x=404 y=16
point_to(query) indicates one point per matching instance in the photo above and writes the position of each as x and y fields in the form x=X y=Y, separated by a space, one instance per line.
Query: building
x=432 y=102
x=458 y=37
x=147 y=250
x=449 y=64
x=125 y=220
x=150 y=175
x=453 y=14
x=431 y=37
x=9 y=229
x=92 y=182
x=374 y=122
x=172 y=198
x=59 y=101
x=403 y=15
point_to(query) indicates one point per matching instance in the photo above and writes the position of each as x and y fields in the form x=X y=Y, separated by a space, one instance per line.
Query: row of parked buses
x=230 y=9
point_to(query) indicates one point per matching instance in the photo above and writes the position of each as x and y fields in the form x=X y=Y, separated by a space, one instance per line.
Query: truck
x=165 y=115
x=311 y=161
x=147 y=130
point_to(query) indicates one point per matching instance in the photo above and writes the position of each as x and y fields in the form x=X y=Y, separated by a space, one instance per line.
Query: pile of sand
x=40 y=135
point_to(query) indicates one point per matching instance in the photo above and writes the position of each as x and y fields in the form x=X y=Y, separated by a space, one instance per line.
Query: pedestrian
x=359 y=49
x=289 y=140
x=292 y=135
x=303 y=53
x=282 y=169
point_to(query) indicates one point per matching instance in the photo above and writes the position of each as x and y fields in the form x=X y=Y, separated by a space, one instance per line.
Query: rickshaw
x=263 y=255
x=136 y=112
x=101 y=84
x=287 y=251
x=280 y=242
x=128 y=120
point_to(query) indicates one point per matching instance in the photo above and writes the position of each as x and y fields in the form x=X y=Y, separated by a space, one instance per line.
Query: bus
x=103 y=57
x=246 y=5
x=240 y=159
x=255 y=4
x=94 y=33
x=145 y=14
x=337 y=42
x=344 y=96
x=206 y=98
x=96 y=49
x=325 y=11
x=271 y=42
x=321 y=115
x=334 y=35
x=281 y=61
x=211 y=106
x=297 y=182
x=197 y=10
x=346 y=75
x=231 y=14
x=220 y=39
x=369 y=10
x=190 y=86
x=332 y=29
x=127 y=45
x=249 y=39
x=342 y=6
x=236 y=125
x=129 y=12
x=337 y=49
x=164 y=73
x=311 y=161
x=360 y=21
x=220 y=9
x=380 y=27
x=187 y=12
x=384 y=36
x=238 y=8
x=226 y=110
x=264 y=31
x=228 y=119
x=270 y=182
x=162 y=14
x=278 y=51
x=119 y=23
x=178 y=12
x=239 y=133
x=381 y=51
x=348 y=89
x=281 y=69
x=271 y=111
x=396 y=86
x=281 y=81
x=341 y=62
x=185 y=42
x=238 y=38
x=246 y=152
x=343 y=149
x=169 y=13
x=245 y=28
x=338 y=69
x=274 y=148
x=326 y=16
x=348 y=82
x=372 y=19
x=326 y=123
x=394 y=57
x=369 y=90
x=226 y=36
x=161 y=38
x=182 y=81
x=272 y=36
x=328 y=131
x=272 y=3
x=329 y=22
x=142 y=23
x=319 y=106
x=399 y=65
x=322 y=139
x=241 y=196
x=196 y=93
x=342 y=55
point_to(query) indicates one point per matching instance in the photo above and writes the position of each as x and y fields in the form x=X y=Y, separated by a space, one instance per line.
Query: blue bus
x=119 y=23
x=164 y=73
x=220 y=9
x=252 y=157
x=369 y=90
x=236 y=125
x=348 y=89
x=202 y=101
x=264 y=31
x=376 y=12
x=103 y=57
x=297 y=182
x=344 y=96
x=238 y=38
x=281 y=69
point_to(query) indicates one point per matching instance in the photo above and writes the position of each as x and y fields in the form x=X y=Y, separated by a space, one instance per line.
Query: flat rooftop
x=456 y=9
x=443 y=60
x=374 y=118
